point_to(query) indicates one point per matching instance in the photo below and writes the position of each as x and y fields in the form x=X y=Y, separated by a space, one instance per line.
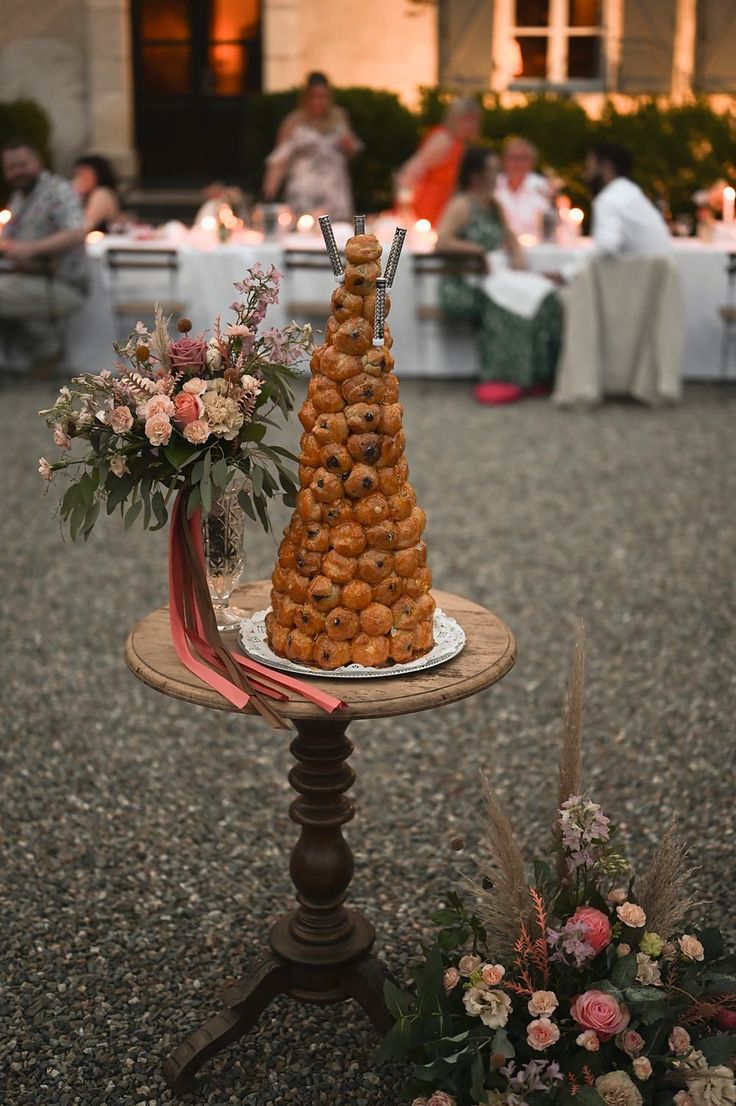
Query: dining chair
x=727 y=311
x=445 y=346
x=298 y=261
x=136 y=298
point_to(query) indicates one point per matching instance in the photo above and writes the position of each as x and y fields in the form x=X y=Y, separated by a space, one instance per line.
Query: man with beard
x=43 y=273
x=624 y=220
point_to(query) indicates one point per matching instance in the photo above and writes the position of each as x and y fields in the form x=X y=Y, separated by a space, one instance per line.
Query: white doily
x=449 y=640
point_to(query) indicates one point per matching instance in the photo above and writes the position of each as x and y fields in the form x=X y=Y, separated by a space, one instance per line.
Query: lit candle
x=5 y=217
x=729 y=198
x=379 y=314
x=332 y=251
x=209 y=222
x=305 y=223
x=576 y=217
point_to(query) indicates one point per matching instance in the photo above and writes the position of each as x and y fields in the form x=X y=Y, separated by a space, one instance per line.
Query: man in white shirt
x=523 y=194
x=624 y=220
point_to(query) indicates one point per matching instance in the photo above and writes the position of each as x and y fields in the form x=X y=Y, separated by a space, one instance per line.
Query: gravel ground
x=145 y=842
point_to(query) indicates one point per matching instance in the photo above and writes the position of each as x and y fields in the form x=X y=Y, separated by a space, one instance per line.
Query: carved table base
x=321 y=951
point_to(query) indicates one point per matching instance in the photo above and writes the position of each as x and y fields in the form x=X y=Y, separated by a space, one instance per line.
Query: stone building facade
x=116 y=75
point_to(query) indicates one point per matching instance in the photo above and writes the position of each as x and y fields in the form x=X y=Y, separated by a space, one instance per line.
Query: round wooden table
x=321 y=950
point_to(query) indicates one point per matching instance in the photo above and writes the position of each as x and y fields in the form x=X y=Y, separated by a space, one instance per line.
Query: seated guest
x=43 y=271
x=96 y=185
x=524 y=195
x=520 y=327
x=427 y=180
x=624 y=220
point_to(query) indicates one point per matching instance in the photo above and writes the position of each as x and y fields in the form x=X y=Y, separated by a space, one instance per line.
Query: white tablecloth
x=423 y=345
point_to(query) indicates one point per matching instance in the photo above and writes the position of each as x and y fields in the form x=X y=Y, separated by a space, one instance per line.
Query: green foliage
x=24 y=119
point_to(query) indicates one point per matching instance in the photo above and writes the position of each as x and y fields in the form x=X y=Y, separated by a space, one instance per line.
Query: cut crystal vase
x=223 y=534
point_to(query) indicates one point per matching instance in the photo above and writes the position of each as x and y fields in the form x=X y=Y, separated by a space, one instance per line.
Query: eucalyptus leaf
x=221 y=473
x=623 y=973
x=257 y=479
x=246 y=503
x=132 y=513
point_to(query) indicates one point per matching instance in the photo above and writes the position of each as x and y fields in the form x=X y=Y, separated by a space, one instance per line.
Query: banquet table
x=424 y=344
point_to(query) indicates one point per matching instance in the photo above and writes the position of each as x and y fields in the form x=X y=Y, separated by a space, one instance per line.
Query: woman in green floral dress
x=518 y=353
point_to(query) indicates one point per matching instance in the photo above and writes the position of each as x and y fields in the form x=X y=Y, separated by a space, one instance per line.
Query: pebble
x=146 y=841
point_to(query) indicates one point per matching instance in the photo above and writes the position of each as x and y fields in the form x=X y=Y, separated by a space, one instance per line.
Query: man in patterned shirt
x=43 y=272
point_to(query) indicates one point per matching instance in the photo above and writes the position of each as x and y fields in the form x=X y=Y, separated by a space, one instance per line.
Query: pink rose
x=600 y=1011
x=468 y=964
x=187 y=408
x=596 y=925
x=631 y=915
x=158 y=429
x=542 y=1003
x=121 y=419
x=679 y=1040
x=156 y=405
x=630 y=1042
x=187 y=355
x=588 y=1040
x=541 y=1034
x=492 y=974
x=440 y=1098
x=450 y=979
x=197 y=432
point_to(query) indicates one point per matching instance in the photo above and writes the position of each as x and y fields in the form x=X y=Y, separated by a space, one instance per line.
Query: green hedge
x=24 y=119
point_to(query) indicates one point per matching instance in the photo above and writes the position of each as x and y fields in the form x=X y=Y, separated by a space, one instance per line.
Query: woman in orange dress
x=427 y=180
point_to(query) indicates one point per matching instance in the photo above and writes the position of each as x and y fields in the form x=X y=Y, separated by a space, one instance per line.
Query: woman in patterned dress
x=311 y=155
x=518 y=353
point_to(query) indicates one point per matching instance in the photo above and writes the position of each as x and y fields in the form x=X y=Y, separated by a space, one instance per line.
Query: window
x=557 y=42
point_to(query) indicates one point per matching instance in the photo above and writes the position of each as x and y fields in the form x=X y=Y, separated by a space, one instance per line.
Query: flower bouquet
x=179 y=418
x=571 y=983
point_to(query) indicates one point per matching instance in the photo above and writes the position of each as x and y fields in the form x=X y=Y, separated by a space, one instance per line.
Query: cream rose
x=589 y=1041
x=642 y=1067
x=492 y=974
x=542 y=1033
x=631 y=915
x=679 y=1040
x=158 y=429
x=121 y=419
x=616 y=1088
x=691 y=947
x=197 y=432
x=468 y=965
x=450 y=979
x=542 y=1003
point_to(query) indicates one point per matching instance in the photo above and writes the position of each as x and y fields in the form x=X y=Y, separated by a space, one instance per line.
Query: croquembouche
x=351 y=584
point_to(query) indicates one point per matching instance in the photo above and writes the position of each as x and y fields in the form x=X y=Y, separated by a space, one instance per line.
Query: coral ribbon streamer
x=197 y=641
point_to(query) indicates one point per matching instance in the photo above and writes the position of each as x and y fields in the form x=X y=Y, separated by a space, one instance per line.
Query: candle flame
x=5 y=216
x=94 y=236
x=209 y=222
x=729 y=193
x=305 y=222
x=576 y=214
x=422 y=226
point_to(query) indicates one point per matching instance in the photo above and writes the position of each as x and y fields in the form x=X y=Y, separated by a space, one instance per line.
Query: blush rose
x=596 y=925
x=187 y=408
x=187 y=354
x=601 y=1012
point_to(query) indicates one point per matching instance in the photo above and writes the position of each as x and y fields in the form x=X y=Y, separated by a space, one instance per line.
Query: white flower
x=212 y=355
x=589 y=1041
x=642 y=1067
x=468 y=964
x=616 y=1088
x=250 y=384
x=715 y=1087
x=196 y=386
x=647 y=971
x=223 y=415
x=492 y=1007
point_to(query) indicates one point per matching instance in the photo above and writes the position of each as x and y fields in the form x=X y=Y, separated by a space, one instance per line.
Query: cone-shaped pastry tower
x=352 y=584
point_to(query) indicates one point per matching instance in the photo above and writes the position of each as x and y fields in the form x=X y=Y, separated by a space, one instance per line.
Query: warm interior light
x=729 y=193
x=284 y=219
x=305 y=222
x=5 y=216
x=209 y=222
x=528 y=239
x=95 y=236
x=576 y=215
x=422 y=226
x=228 y=218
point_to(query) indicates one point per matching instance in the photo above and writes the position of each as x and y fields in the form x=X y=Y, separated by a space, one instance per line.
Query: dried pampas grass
x=505 y=903
x=160 y=338
x=661 y=890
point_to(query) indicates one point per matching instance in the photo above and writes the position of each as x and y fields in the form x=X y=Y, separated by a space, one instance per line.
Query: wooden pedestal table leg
x=321 y=949
x=326 y=944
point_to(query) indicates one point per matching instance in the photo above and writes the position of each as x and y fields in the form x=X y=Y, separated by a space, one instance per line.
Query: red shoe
x=497 y=392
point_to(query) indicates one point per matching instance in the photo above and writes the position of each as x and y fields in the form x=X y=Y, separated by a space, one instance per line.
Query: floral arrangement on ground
x=571 y=983
x=184 y=413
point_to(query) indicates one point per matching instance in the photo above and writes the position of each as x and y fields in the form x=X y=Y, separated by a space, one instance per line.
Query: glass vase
x=223 y=533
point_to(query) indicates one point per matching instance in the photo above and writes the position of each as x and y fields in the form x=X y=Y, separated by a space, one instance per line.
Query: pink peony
x=187 y=355
x=187 y=408
x=542 y=1003
x=158 y=429
x=596 y=925
x=197 y=432
x=631 y=915
x=121 y=419
x=600 y=1011
x=492 y=974
x=630 y=1042
x=450 y=979
x=588 y=1040
x=542 y=1033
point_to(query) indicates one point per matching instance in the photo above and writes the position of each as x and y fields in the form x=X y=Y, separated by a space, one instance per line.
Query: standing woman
x=520 y=337
x=96 y=185
x=428 y=179
x=312 y=150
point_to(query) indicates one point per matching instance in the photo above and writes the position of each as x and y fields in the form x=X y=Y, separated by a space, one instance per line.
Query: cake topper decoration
x=359 y=222
x=332 y=251
x=379 y=316
x=394 y=255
